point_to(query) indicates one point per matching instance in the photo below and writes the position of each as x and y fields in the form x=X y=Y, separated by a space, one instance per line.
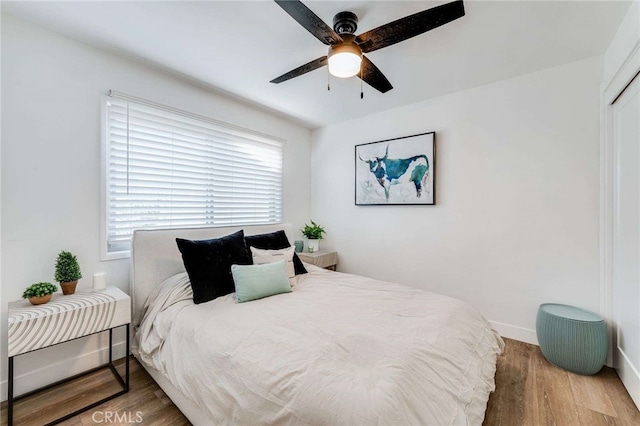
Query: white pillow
x=261 y=257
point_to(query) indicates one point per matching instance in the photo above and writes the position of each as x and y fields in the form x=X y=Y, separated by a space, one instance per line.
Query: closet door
x=626 y=238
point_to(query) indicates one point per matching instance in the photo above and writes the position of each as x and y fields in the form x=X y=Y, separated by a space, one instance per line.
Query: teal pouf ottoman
x=572 y=338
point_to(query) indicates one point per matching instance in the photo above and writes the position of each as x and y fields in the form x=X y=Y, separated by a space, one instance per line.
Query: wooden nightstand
x=322 y=258
x=65 y=318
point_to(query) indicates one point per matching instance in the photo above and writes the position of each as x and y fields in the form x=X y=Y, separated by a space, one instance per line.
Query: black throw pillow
x=275 y=241
x=208 y=263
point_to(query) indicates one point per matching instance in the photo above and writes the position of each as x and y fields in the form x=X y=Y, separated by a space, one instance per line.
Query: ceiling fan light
x=344 y=60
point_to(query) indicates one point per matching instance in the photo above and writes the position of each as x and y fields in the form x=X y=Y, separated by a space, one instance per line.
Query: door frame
x=610 y=93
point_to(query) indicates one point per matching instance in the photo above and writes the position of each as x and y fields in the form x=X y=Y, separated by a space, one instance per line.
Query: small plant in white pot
x=39 y=293
x=67 y=272
x=313 y=233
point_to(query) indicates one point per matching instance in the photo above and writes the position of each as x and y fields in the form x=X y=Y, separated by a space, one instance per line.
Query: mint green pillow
x=257 y=281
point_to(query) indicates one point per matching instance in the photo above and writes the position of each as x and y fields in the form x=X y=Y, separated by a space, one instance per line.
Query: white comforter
x=339 y=349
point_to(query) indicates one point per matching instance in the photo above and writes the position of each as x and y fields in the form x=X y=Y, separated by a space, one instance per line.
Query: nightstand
x=322 y=258
x=66 y=318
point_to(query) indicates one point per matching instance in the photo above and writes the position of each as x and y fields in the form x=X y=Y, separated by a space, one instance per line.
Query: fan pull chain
x=328 y=80
x=361 y=81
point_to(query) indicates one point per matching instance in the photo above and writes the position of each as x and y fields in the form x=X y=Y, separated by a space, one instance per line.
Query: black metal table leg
x=110 y=346
x=10 y=394
x=127 y=361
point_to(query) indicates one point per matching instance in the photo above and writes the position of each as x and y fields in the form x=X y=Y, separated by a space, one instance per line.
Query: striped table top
x=64 y=318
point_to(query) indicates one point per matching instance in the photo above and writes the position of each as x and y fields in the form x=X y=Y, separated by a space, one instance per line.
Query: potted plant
x=67 y=272
x=39 y=293
x=313 y=233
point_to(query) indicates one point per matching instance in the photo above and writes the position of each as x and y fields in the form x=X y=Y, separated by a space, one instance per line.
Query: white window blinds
x=169 y=169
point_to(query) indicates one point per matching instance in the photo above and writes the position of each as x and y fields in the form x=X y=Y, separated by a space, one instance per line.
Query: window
x=166 y=168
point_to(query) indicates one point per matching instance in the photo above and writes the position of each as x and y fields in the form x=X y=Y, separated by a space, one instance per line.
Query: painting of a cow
x=404 y=177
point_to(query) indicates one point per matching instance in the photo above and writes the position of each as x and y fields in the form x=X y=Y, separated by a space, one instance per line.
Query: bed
x=337 y=349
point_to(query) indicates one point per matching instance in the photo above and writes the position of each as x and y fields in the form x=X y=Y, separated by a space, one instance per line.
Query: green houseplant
x=39 y=293
x=313 y=233
x=67 y=272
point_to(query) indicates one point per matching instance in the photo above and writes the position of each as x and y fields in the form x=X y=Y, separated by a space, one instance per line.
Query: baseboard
x=50 y=373
x=630 y=377
x=514 y=332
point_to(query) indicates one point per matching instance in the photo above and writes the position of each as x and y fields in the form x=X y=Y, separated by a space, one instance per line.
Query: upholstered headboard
x=155 y=256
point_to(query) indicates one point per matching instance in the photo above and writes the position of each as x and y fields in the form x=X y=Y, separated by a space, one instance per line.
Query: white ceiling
x=237 y=47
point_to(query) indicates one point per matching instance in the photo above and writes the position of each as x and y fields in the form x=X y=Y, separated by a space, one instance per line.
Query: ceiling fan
x=346 y=50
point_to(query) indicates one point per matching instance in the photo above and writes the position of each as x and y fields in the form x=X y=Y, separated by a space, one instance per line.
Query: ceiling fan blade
x=371 y=75
x=315 y=64
x=410 y=26
x=310 y=21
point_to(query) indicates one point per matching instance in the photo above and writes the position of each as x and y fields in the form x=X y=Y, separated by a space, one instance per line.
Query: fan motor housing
x=345 y=23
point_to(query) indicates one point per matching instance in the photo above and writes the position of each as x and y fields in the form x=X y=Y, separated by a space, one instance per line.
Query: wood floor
x=532 y=391
x=529 y=391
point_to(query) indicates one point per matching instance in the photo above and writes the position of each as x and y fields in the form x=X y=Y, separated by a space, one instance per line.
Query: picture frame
x=399 y=171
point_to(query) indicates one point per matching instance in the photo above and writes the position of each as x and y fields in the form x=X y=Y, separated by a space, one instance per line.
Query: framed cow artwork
x=398 y=171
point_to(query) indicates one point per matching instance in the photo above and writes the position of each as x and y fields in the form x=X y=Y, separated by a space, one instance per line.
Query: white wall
x=516 y=220
x=51 y=89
